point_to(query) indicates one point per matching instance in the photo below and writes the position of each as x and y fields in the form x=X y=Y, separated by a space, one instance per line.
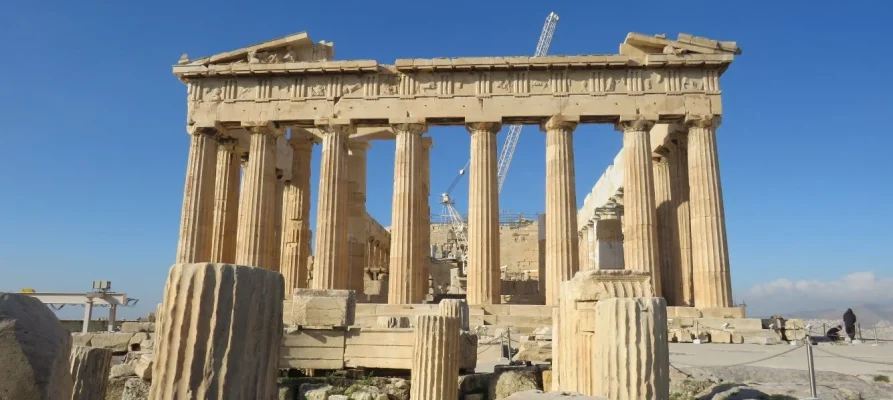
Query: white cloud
x=784 y=295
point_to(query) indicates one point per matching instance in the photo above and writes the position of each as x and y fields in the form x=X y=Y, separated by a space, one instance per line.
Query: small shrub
x=882 y=378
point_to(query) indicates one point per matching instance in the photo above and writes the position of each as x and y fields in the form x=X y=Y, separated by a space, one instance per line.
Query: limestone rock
x=474 y=383
x=539 y=395
x=135 y=389
x=468 y=351
x=287 y=393
x=143 y=366
x=632 y=353
x=81 y=339
x=547 y=378
x=435 y=358
x=122 y=370
x=90 y=371
x=115 y=388
x=455 y=308
x=34 y=350
x=118 y=343
x=534 y=351
x=506 y=383
x=134 y=327
x=228 y=317
x=314 y=391
x=392 y=322
x=323 y=307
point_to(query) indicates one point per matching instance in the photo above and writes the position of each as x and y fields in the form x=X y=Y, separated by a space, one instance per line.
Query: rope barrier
x=851 y=358
x=745 y=363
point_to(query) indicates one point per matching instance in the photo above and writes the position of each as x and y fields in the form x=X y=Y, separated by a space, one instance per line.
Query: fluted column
x=197 y=215
x=402 y=284
x=256 y=208
x=456 y=308
x=435 y=358
x=356 y=234
x=90 y=368
x=679 y=181
x=276 y=245
x=561 y=206
x=710 y=250
x=296 y=216
x=632 y=359
x=483 y=216
x=330 y=262
x=639 y=228
x=226 y=202
x=667 y=241
x=424 y=225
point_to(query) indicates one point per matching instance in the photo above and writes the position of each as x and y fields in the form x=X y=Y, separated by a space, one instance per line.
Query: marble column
x=639 y=228
x=256 y=208
x=710 y=250
x=296 y=216
x=197 y=215
x=276 y=244
x=608 y=244
x=483 y=216
x=679 y=182
x=404 y=217
x=330 y=258
x=356 y=231
x=226 y=202
x=667 y=241
x=424 y=225
x=561 y=206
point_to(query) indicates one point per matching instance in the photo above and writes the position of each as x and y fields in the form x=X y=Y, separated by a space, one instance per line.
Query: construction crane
x=459 y=225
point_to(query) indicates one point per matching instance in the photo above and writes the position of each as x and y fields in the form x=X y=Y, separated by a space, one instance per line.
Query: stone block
x=90 y=368
x=116 y=342
x=136 y=389
x=468 y=351
x=143 y=366
x=632 y=354
x=134 y=327
x=81 y=339
x=683 y=336
x=121 y=370
x=34 y=351
x=722 y=312
x=737 y=338
x=392 y=322
x=737 y=324
x=506 y=383
x=228 y=317
x=689 y=312
x=720 y=336
x=323 y=307
x=474 y=383
x=115 y=388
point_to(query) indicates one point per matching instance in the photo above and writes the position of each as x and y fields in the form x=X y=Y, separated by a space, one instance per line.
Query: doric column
x=639 y=228
x=632 y=359
x=608 y=244
x=226 y=202
x=456 y=308
x=424 y=225
x=435 y=358
x=561 y=206
x=710 y=250
x=198 y=197
x=296 y=216
x=483 y=216
x=356 y=220
x=679 y=182
x=665 y=211
x=276 y=245
x=330 y=262
x=256 y=208
x=404 y=217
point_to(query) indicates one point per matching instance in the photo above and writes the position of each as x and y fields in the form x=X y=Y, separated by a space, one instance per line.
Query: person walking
x=849 y=322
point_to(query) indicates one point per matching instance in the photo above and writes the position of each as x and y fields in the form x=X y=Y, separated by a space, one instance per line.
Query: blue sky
x=95 y=146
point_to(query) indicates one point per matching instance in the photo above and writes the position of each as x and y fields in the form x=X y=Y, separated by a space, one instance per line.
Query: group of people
x=849 y=323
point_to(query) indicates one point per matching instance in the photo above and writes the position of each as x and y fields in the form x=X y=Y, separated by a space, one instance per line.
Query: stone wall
x=518 y=245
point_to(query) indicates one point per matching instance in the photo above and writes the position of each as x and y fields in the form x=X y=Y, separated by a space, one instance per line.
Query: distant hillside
x=867 y=314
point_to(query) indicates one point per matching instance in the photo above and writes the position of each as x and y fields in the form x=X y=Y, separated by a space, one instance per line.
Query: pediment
x=292 y=48
x=638 y=44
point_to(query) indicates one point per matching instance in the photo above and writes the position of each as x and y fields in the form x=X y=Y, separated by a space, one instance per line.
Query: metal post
x=875 y=336
x=809 y=361
x=88 y=315
x=859 y=329
x=112 y=308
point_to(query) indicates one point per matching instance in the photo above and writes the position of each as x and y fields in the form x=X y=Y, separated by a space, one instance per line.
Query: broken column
x=330 y=262
x=561 y=205
x=709 y=247
x=435 y=358
x=228 y=317
x=34 y=351
x=404 y=218
x=484 y=282
x=632 y=357
x=90 y=368
x=455 y=308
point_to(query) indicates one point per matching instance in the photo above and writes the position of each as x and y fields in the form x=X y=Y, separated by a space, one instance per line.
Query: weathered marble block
x=435 y=358
x=90 y=367
x=323 y=307
x=220 y=333
x=392 y=322
x=34 y=351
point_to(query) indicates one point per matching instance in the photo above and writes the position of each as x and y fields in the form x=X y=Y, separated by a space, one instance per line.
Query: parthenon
x=263 y=107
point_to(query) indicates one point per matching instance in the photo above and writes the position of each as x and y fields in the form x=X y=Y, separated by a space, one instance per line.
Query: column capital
x=564 y=122
x=413 y=126
x=340 y=126
x=703 y=121
x=489 y=127
x=635 y=123
x=203 y=130
x=227 y=143
x=263 y=127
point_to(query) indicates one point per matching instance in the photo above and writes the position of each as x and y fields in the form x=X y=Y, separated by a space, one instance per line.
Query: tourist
x=833 y=334
x=849 y=321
